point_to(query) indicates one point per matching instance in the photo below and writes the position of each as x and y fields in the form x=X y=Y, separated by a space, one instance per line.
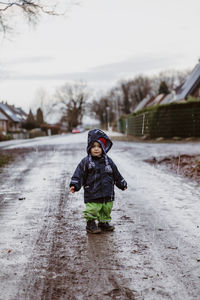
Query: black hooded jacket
x=97 y=175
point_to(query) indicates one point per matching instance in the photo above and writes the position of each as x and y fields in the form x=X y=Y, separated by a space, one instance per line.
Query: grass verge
x=5 y=159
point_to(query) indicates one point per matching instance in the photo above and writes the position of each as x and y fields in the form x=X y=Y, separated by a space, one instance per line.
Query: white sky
x=101 y=42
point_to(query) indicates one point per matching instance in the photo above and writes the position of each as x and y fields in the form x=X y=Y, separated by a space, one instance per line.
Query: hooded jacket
x=97 y=175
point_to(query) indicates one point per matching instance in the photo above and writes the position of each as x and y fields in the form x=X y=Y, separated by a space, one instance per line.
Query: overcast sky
x=100 y=42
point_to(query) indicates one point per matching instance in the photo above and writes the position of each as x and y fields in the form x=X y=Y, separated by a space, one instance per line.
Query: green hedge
x=122 y=124
x=177 y=119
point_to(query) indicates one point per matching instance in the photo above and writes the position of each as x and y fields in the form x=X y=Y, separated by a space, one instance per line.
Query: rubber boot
x=105 y=226
x=92 y=227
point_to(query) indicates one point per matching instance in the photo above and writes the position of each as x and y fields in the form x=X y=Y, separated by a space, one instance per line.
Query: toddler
x=98 y=174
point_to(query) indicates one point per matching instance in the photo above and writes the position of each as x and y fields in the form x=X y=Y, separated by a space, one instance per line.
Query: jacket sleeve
x=78 y=176
x=119 y=181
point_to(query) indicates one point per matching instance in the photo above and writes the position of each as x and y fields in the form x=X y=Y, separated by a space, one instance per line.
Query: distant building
x=18 y=111
x=157 y=100
x=144 y=103
x=169 y=98
x=11 y=119
x=191 y=87
x=3 y=123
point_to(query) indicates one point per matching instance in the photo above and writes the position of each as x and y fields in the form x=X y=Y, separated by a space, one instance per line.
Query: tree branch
x=32 y=9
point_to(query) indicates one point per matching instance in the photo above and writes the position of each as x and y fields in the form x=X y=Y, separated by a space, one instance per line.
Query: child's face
x=96 y=149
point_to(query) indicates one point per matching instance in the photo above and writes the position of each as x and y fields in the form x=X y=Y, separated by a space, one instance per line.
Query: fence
x=180 y=119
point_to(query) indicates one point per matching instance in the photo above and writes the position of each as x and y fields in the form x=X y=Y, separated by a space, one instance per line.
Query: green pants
x=98 y=211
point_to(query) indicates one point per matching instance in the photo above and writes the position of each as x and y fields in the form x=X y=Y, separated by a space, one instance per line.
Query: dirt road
x=45 y=253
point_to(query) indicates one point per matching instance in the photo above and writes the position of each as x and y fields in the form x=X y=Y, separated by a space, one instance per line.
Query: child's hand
x=72 y=189
x=124 y=188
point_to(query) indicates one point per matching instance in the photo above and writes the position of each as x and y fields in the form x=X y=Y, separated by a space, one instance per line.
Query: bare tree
x=104 y=109
x=31 y=10
x=99 y=108
x=70 y=101
x=121 y=99
x=125 y=87
x=42 y=100
x=132 y=92
x=136 y=89
x=115 y=99
x=124 y=97
x=139 y=88
x=172 y=78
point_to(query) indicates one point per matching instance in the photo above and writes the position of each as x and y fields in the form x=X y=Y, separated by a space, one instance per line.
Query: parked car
x=78 y=129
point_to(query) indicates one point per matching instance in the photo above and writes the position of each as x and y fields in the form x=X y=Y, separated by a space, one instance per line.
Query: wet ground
x=185 y=165
x=45 y=253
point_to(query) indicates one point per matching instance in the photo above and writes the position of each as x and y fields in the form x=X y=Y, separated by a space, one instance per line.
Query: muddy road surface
x=45 y=253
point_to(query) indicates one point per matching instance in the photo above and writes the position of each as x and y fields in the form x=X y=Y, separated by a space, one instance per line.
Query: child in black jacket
x=98 y=174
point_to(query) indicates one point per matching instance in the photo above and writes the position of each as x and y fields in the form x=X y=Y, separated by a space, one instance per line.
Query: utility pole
x=108 y=116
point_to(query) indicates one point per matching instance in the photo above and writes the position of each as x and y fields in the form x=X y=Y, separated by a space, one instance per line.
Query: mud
x=185 y=165
x=56 y=258
x=45 y=252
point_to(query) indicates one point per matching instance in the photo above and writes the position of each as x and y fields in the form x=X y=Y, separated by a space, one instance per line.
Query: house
x=14 y=121
x=18 y=111
x=168 y=98
x=144 y=103
x=157 y=100
x=3 y=123
x=191 y=87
